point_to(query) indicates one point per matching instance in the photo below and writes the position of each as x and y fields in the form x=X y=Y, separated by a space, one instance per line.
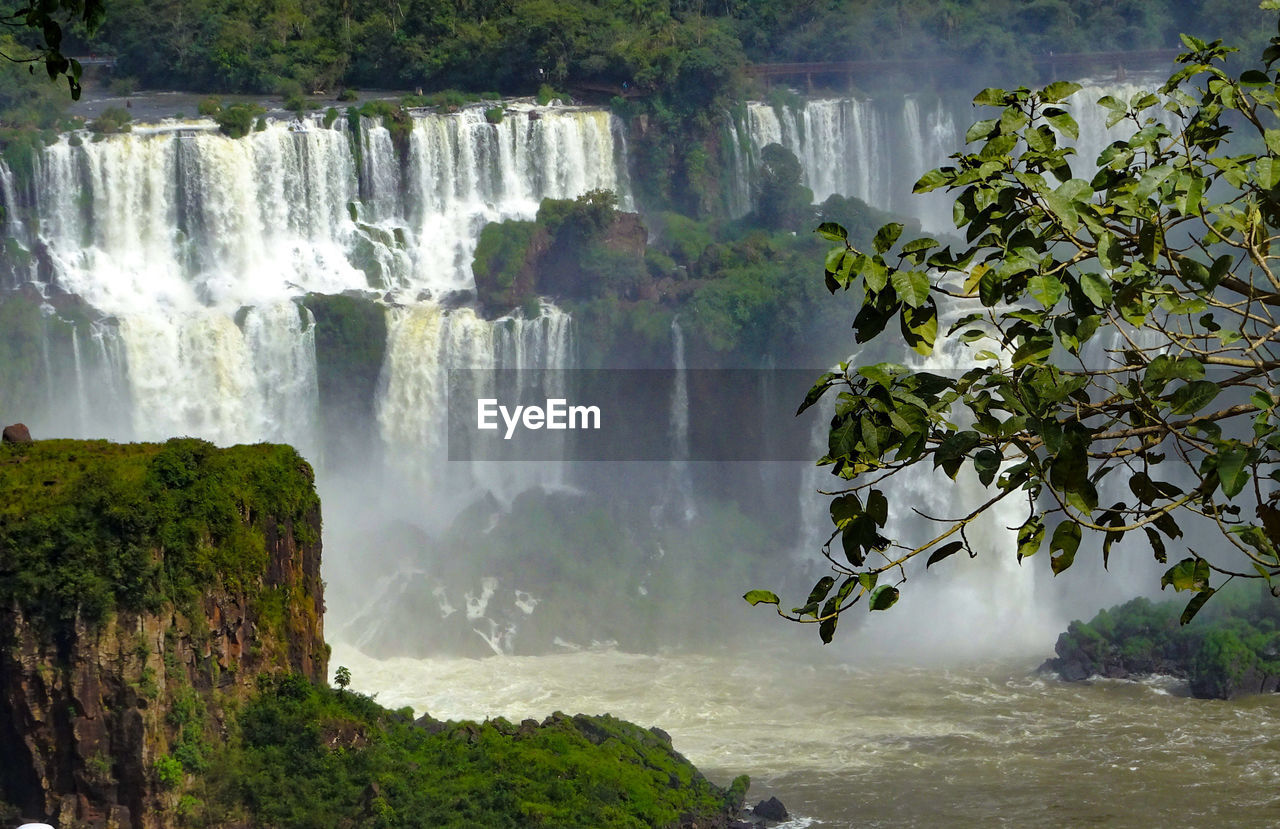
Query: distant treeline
x=687 y=51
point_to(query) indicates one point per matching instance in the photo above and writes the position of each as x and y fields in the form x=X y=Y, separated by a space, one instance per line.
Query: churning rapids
x=879 y=744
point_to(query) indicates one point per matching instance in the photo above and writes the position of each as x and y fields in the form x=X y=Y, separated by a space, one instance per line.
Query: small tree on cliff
x=1125 y=344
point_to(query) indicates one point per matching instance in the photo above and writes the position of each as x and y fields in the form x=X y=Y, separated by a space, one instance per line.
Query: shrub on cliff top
x=89 y=526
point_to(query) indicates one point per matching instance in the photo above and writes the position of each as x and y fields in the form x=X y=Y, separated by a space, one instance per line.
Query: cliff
x=162 y=664
x=143 y=590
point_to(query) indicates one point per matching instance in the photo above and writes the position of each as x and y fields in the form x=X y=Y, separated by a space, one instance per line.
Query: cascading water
x=424 y=344
x=194 y=247
x=678 y=501
x=876 y=150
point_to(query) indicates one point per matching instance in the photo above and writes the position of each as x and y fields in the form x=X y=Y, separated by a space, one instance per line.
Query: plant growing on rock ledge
x=1125 y=345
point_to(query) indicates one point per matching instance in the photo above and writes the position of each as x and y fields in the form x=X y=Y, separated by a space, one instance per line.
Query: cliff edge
x=144 y=588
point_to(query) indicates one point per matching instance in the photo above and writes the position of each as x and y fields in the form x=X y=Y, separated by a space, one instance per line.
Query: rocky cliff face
x=106 y=713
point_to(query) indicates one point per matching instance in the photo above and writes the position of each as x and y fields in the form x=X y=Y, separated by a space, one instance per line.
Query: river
x=885 y=745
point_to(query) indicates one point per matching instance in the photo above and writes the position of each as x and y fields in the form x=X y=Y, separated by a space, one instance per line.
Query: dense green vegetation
x=305 y=756
x=1231 y=648
x=89 y=526
x=740 y=286
x=689 y=51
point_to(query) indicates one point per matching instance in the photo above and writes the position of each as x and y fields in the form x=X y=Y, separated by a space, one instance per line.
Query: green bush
x=494 y=115
x=297 y=104
x=314 y=756
x=209 y=107
x=236 y=120
x=447 y=99
x=112 y=120
x=168 y=771
x=123 y=86
x=683 y=238
x=547 y=94
x=347 y=95
x=500 y=252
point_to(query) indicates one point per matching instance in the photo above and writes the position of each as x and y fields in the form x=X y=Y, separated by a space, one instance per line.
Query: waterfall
x=195 y=247
x=877 y=150
x=678 y=496
x=424 y=344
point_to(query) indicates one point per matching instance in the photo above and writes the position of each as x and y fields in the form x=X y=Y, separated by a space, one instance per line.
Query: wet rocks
x=17 y=434
x=771 y=809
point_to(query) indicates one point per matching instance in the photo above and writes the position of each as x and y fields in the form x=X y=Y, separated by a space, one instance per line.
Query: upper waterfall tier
x=180 y=218
x=876 y=150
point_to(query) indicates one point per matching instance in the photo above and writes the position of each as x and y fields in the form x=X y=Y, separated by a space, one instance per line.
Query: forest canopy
x=691 y=48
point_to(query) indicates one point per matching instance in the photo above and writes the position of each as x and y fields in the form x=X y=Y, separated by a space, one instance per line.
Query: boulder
x=17 y=433
x=771 y=809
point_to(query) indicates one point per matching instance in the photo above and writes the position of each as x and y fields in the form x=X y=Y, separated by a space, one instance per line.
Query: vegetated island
x=162 y=664
x=1230 y=649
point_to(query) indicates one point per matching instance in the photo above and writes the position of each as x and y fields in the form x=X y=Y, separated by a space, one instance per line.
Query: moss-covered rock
x=575 y=249
x=1230 y=649
x=351 y=341
x=310 y=756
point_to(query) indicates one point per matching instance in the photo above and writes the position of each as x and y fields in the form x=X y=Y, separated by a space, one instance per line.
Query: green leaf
x=878 y=507
x=821 y=589
x=1157 y=545
x=912 y=287
x=990 y=287
x=755 y=597
x=1193 y=606
x=987 y=464
x=1097 y=289
x=845 y=508
x=920 y=327
x=930 y=181
x=980 y=129
x=832 y=231
x=991 y=96
x=1065 y=124
x=1268 y=173
x=1030 y=535
x=1164 y=368
x=883 y=597
x=1046 y=290
x=886 y=236
x=1059 y=91
x=1232 y=472
x=1109 y=252
x=1193 y=397
x=873 y=271
x=815 y=394
x=1188 y=574
x=827 y=629
x=942 y=552
x=1065 y=542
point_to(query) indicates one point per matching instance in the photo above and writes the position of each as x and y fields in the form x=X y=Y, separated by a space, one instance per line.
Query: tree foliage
x=689 y=48
x=46 y=18
x=1121 y=337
